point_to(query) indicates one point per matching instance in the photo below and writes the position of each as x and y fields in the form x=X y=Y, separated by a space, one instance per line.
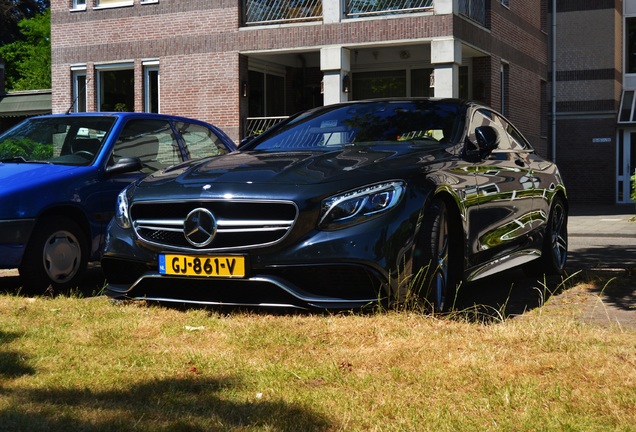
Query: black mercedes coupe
x=343 y=206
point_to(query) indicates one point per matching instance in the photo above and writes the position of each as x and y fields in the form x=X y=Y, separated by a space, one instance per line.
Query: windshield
x=425 y=122
x=65 y=140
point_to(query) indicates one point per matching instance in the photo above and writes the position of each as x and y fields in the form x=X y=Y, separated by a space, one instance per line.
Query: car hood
x=302 y=167
x=21 y=176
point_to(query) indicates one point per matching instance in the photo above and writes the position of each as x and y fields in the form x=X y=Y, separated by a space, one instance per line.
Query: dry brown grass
x=88 y=364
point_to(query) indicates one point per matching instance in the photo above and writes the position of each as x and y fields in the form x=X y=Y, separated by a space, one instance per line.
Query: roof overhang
x=25 y=103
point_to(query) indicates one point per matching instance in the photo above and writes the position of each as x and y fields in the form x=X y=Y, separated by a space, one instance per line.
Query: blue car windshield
x=64 y=140
x=418 y=122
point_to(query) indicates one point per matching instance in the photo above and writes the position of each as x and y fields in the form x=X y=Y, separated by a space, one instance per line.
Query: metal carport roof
x=25 y=103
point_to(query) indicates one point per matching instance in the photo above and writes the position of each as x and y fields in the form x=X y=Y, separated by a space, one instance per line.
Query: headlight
x=121 y=213
x=359 y=205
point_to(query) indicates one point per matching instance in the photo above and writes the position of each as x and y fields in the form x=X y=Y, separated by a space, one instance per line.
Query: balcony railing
x=259 y=12
x=474 y=9
x=361 y=8
x=282 y=11
x=258 y=125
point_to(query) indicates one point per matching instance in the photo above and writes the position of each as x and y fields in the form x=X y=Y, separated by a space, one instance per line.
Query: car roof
x=122 y=114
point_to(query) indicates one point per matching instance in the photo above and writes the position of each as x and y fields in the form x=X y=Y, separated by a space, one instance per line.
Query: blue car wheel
x=56 y=256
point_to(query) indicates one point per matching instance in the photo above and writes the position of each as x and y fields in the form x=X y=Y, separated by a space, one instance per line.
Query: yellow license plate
x=202 y=265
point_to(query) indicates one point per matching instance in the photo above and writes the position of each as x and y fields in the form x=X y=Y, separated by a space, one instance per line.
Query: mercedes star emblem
x=199 y=227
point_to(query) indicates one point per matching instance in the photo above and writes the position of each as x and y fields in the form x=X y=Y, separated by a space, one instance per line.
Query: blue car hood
x=15 y=177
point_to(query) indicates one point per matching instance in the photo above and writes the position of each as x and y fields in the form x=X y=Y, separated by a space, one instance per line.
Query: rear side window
x=200 y=141
x=152 y=141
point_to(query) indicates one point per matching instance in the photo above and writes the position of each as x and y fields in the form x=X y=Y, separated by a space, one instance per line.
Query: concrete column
x=443 y=7
x=446 y=56
x=332 y=11
x=335 y=63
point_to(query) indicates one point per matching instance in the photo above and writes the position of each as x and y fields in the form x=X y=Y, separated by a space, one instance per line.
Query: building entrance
x=625 y=164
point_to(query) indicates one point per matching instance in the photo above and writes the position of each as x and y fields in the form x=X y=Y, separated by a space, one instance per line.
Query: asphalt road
x=601 y=252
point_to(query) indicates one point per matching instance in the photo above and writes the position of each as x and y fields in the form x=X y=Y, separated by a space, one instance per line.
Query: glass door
x=626 y=164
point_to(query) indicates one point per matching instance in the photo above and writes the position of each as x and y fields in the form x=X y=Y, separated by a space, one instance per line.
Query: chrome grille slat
x=162 y=223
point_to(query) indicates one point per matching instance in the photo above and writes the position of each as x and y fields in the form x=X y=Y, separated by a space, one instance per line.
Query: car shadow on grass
x=609 y=271
x=91 y=285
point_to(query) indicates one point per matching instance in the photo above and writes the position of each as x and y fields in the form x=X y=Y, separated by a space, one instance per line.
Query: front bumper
x=14 y=237
x=342 y=269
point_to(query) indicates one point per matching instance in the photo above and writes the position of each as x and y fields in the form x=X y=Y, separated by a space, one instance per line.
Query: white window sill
x=149 y=1
x=79 y=8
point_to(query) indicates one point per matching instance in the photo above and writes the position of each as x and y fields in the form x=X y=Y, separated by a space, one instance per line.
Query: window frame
x=78 y=5
x=99 y=69
x=149 y=67
x=109 y=4
x=76 y=73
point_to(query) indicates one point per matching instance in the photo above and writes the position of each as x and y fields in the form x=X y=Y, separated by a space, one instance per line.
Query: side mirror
x=124 y=165
x=487 y=140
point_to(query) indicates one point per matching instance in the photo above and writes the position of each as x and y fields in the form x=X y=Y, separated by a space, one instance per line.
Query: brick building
x=594 y=146
x=242 y=64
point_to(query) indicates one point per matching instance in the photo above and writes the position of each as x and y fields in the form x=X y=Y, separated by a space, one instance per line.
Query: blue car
x=60 y=176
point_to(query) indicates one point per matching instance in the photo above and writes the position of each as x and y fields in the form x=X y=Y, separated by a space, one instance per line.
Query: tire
x=434 y=272
x=555 y=244
x=56 y=256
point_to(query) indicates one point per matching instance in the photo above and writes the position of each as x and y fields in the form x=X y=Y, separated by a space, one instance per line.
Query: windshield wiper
x=14 y=159
x=21 y=159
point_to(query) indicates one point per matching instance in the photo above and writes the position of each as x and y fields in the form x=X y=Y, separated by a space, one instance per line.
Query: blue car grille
x=239 y=224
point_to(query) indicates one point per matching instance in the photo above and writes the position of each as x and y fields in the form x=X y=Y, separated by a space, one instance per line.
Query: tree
x=14 y=11
x=28 y=60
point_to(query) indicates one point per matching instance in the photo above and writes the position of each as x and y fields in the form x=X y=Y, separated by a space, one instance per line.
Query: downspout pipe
x=554 y=78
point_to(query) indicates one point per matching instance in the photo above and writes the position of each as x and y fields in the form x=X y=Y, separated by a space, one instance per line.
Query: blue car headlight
x=360 y=205
x=122 y=216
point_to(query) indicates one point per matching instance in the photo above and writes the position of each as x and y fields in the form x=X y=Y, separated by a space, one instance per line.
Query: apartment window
x=115 y=87
x=630 y=44
x=151 y=88
x=266 y=94
x=377 y=84
x=505 y=3
x=505 y=73
x=421 y=83
x=463 y=82
x=113 y=3
x=626 y=110
x=79 y=4
x=79 y=90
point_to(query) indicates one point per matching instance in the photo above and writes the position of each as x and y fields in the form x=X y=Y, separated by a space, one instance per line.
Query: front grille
x=240 y=224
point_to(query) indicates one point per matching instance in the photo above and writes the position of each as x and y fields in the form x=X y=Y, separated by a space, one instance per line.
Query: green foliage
x=26 y=148
x=633 y=178
x=28 y=61
x=14 y=11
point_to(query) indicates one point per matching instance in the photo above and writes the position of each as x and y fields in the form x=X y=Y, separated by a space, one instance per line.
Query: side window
x=200 y=141
x=484 y=117
x=152 y=141
x=517 y=140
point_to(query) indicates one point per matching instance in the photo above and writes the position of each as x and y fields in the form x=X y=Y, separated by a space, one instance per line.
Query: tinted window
x=152 y=141
x=484 y=117
x=415 y=122
x=200 y=141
